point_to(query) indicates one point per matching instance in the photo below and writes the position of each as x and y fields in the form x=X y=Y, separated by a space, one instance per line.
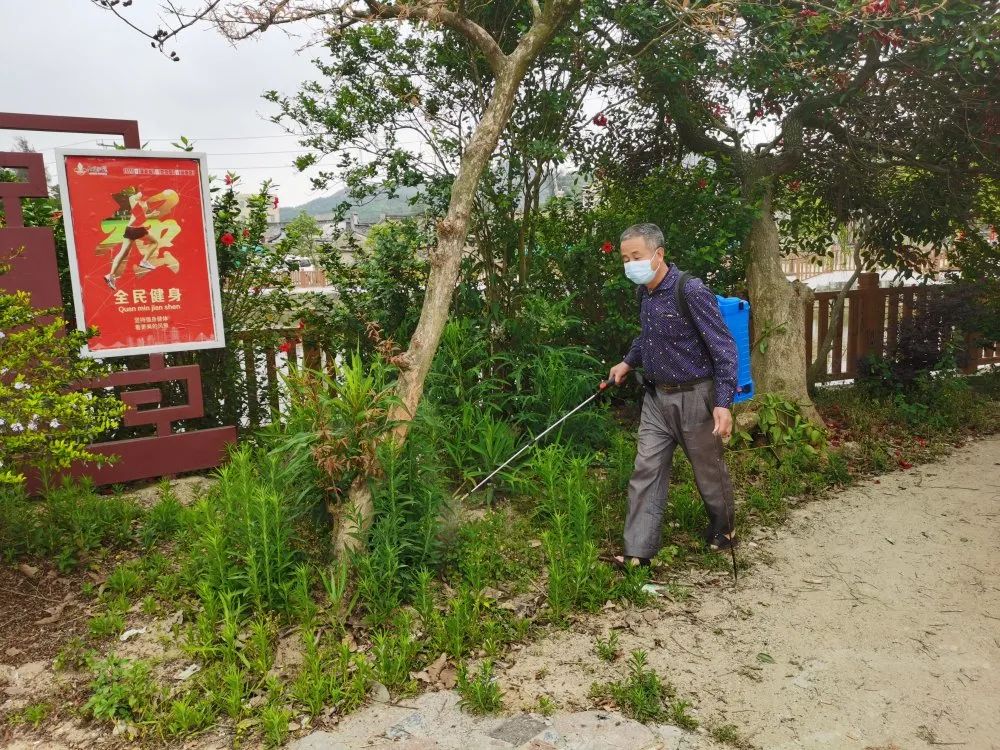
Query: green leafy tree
x=703 y=221
x=885 y=106
x=505 y=60
x=302 y=237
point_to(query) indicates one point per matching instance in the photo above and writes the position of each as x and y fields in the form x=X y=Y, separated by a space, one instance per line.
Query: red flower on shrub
x=275 y=201
x=702 y=183
x=904 y=464
x=808 y=13
x=246 y=234
x=227 y=239
x=794 y=185
x=229 y=178
x=607 y=247
x=286 y=347
x=600 y=120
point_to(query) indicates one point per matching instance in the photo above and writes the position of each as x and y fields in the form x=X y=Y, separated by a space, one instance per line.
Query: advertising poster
x=141 y=250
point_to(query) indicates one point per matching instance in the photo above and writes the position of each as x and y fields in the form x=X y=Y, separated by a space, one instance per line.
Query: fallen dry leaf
x=28 y=570
x=449 y=677
x=434 y=669
x=55 y=614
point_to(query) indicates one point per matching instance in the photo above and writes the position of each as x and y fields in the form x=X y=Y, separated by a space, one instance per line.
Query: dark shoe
x=724 y=541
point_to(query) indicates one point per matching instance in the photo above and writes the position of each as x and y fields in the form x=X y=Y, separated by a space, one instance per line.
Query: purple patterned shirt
x=672 y=351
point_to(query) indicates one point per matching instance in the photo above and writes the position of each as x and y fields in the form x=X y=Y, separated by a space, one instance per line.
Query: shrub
x=44 y=424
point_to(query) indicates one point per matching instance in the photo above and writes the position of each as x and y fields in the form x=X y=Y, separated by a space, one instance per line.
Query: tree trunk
x=445 y=261
x=778 y=359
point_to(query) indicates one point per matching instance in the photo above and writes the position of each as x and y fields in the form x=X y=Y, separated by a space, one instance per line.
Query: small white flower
x=2 y=422
x=17 y=427
x=32 y=426
x=3 y=335
x=54 y=424
x=20 y=385
x=99 y=361
x=4 y=370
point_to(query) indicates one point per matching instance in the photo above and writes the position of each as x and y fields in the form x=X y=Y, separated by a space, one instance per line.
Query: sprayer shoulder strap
x=680 y=297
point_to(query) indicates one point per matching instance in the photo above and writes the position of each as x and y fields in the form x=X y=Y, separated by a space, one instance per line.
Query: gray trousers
x=670 y=419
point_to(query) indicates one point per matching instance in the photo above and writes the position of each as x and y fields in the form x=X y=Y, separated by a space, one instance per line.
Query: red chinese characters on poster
x=141 y=253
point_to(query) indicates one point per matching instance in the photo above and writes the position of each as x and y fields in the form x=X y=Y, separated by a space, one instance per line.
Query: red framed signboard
x=141 y=250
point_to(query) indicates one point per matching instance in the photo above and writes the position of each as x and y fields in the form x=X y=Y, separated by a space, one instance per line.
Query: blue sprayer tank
x=736 y=315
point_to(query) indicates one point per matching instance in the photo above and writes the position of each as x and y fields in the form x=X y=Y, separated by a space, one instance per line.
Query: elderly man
x=688 y=358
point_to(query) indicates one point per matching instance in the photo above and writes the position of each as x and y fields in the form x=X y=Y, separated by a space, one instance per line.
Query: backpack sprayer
x=600 y=392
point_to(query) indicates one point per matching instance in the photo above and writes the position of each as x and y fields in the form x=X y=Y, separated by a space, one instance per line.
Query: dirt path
x=876 y=622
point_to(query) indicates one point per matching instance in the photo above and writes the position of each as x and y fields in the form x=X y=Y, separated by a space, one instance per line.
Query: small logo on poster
x=82 y=170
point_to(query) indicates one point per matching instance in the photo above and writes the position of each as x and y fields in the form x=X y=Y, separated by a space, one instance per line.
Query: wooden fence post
x=871 y=310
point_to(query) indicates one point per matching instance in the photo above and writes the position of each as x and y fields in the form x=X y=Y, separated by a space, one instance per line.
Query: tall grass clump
x=244 y=534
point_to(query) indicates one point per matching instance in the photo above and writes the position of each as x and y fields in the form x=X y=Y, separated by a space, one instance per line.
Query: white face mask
x=640 y=271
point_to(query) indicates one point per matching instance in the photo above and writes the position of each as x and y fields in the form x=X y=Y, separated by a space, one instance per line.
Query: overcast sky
x=67 y=57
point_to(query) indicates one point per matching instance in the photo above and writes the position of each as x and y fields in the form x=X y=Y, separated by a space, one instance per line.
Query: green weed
x=165 y=520
x=393 y=653
x=545 y=706
x=122 y=690
x=106 y=625
x=74 y=655
x=641 y=695
x=480 y=693
x=677 y=714
x=187 y=714
x=33 y=715
x=729 y=734
x=608 y=648
x=274 y=724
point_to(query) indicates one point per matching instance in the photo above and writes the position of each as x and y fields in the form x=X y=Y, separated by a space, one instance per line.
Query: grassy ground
x=242 y=582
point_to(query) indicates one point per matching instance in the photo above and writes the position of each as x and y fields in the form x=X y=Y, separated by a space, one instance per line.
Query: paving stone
x=518 y=730
x=600 y=730
x=548 y=737
x=414 y=724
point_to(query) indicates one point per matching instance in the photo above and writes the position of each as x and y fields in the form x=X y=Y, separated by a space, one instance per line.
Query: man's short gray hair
x=651 y=233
